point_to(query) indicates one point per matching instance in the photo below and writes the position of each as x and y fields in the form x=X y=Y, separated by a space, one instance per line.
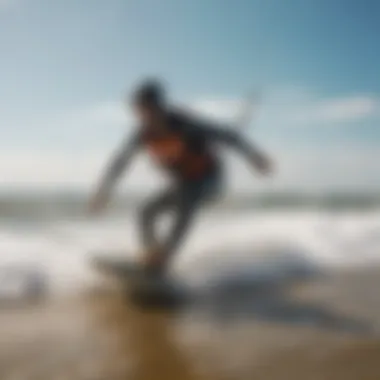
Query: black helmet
x=150 y=92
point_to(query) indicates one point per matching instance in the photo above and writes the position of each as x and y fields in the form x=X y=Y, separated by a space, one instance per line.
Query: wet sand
x=320 y=331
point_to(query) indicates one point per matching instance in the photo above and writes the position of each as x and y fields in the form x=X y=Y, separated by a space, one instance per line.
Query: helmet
x=150 y=92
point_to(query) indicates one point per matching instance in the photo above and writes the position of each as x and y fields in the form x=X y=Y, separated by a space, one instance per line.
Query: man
x=185 y=148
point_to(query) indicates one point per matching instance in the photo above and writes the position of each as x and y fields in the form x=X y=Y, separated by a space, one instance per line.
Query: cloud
x=351 y=168
x=228 y=110
x=99 y=125
x=339 y=110
x=97 y=130
x=50 y=169
x=295 y=109
x=103 y=124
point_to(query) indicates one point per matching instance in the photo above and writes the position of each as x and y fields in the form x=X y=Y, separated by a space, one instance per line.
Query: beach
x=323 y=330
x=274 y=295
x=237 y=139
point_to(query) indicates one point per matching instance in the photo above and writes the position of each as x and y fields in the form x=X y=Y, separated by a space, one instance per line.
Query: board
x=141 y=288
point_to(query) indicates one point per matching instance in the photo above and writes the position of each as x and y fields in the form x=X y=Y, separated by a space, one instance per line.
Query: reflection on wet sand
x=147 y=337
x=104 y=337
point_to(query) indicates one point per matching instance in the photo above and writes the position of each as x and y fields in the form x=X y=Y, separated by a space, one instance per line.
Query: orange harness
x=172 y=152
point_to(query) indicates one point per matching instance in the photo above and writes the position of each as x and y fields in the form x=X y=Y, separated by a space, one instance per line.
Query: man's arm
x=113 y=172
x=225 y=135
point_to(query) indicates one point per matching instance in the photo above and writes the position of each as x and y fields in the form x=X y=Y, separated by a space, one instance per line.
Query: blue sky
x=66 y=66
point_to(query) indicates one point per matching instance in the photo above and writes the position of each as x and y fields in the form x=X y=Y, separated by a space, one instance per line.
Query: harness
x=173 y=152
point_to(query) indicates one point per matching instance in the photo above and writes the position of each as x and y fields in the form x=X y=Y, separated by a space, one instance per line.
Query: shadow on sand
x=265 y=289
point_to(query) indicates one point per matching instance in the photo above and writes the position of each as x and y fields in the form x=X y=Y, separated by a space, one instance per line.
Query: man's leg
x=186 y=203
x=188 y=200
x=181 y=201
x=149 y=215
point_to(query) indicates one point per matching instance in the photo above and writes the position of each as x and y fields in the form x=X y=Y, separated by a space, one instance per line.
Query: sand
x=323 y=330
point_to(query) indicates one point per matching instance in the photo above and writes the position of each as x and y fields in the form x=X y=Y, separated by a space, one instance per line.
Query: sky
x=67 y=66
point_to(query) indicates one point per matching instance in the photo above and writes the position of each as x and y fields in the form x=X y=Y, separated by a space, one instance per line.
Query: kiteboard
x=142 y=288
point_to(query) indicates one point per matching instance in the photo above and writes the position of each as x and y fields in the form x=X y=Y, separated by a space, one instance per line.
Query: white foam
x=217 y=242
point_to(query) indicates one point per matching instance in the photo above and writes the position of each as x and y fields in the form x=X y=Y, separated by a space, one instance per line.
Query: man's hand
x=263 y=164
x=98 y=203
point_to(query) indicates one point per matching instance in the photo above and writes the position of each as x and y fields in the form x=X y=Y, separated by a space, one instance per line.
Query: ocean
x=280 y=287
x=47 y=239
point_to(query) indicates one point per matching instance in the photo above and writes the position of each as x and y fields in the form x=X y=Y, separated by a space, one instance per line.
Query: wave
x=270 y=246
x=45 y=206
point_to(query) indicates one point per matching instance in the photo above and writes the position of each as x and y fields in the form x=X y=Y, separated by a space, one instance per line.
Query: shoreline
x=303 y=333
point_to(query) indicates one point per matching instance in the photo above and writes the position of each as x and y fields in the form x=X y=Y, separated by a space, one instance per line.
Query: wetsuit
x=186 y=150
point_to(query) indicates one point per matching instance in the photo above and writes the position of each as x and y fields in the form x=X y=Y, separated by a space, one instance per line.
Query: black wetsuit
x=186 y=150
